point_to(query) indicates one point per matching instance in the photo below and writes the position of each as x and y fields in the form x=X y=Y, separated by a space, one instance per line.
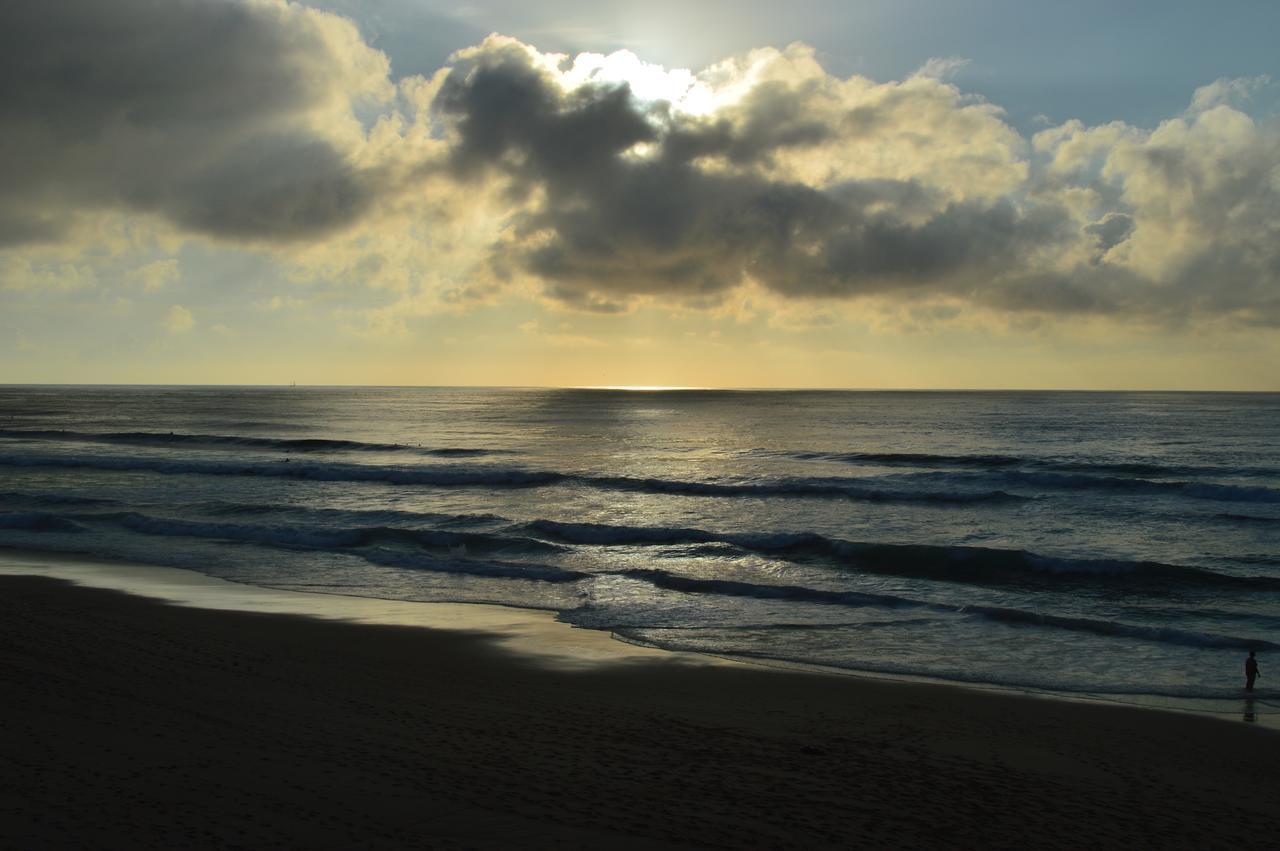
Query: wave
x=731 y=588
x=278 y=536
x=473 y=567
x=1193 y=490
x=316 y=471
x=1233 y=493
x=362 y=516
x=345 y=529
x=1247 y=518
x=979 y=565
x=432 y=550
x=52 y=499
x=1116 y=484
x=1257 y=558
x=458 y=563
x=735 y=588
x=1001 y=462
x=325 y=538
x=494 y=476
x=855 y=489
x=595 y=616
x=1159 y=634
x=989 y=565
x=220 y=441
x=37 y=521
x=447 y=552
x=908 y=459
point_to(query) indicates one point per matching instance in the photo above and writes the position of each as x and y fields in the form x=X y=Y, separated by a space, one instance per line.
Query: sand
x=129 y=722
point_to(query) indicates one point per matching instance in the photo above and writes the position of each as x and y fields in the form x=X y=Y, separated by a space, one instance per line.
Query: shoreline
x=534 y=633
x=136 y=723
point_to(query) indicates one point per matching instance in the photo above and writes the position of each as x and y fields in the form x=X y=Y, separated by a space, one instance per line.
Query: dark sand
x=131 y=723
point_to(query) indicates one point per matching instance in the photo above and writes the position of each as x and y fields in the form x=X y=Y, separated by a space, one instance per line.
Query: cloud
x=602 y=182
x=1196 y=203
x=1109 y=231
x=1228 y=92
x=814 y=187
x=562 y=338
x=157 y=274
x=20 y=273
x=179 y=320
x=229 y=119
x=277 y=302
x=942 y=67
x=639 y=198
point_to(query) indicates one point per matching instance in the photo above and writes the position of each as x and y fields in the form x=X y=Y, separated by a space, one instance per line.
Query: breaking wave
x=330 y=538
x=690 y=585
x=983 y=565
x=474 y=567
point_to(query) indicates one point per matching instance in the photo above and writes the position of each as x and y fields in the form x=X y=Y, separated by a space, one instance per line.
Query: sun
x=649 y=82
x=640 y=388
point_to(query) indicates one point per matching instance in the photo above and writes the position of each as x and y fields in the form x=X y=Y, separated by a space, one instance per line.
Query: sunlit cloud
x=157 y=274
x=179 y=320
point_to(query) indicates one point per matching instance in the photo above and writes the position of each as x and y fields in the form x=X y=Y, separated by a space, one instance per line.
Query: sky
x=909 y=194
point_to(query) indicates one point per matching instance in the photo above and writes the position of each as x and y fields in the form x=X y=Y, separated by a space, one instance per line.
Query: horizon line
x=635 y=388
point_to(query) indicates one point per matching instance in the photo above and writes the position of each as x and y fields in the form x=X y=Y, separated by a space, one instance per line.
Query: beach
x=130 y=722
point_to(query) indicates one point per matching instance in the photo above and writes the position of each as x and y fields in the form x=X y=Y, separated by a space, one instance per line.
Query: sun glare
x=639 y=388
x=649 y=82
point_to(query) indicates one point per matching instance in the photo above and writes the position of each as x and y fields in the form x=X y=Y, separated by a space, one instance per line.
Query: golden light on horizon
x=639 y=388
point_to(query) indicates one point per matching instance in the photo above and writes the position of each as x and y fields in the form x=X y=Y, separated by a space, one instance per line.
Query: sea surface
x=1123 y=544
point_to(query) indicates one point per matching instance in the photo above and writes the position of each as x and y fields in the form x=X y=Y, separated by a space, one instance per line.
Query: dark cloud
x=508 y=114
x=614 y=223
x=773 y=116
x=209 y=114
x=623 y=198
x=293 y=188
x=1109 y=231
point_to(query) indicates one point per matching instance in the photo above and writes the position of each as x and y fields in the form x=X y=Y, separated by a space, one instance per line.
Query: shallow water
x=1085 y=543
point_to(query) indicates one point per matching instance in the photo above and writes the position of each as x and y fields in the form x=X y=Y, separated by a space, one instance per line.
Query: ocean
x=1113 y=545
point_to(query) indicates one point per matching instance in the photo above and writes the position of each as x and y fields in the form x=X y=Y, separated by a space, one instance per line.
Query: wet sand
x=128 y=722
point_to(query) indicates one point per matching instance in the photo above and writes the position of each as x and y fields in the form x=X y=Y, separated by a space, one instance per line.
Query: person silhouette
x=1250 y=671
